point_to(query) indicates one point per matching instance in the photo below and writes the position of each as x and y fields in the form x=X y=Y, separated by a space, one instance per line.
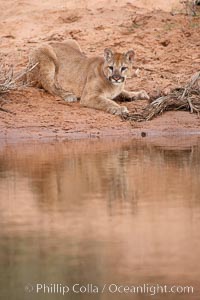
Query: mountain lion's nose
x=116 y=77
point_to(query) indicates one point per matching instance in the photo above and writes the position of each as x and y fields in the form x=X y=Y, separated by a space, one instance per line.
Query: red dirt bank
x=167 y=53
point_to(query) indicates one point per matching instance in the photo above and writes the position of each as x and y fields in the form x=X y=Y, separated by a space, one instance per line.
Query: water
x=99 y=212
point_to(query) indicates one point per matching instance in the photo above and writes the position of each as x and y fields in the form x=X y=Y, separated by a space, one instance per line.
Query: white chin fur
x=116 y=82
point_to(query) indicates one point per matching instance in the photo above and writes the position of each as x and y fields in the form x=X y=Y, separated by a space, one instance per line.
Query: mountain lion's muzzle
x=116 y=79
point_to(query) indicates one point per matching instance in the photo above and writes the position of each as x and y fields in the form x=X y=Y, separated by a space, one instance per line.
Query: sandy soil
x=166 y=43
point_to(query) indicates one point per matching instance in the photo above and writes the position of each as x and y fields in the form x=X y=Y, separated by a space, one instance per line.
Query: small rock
x=166 y=91
x=143 y=134
x=165 y=43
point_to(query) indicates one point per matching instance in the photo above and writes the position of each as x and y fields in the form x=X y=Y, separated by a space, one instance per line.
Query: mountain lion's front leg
x=102 y=103
x=131 y=96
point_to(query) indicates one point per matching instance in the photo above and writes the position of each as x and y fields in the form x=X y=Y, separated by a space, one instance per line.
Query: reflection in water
x=99 y=212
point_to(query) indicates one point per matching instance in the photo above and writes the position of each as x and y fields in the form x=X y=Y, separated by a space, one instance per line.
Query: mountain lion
x=64 y=70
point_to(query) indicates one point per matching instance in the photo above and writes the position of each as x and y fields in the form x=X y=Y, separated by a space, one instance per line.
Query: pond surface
x=111 y=212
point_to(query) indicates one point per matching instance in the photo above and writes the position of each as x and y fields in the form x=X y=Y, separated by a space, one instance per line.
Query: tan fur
x=65 y=71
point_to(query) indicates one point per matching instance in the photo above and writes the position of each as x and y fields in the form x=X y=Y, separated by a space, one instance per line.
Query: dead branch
x=10 y=81
x=190 y=7
x=183 y=98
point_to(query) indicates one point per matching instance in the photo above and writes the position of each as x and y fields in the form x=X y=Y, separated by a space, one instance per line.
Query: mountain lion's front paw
x=70 y=98
x=118 y=110
x=143 y=95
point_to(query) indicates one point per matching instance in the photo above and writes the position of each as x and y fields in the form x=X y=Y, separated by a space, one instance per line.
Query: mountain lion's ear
x=130 y=56
x=108 y=55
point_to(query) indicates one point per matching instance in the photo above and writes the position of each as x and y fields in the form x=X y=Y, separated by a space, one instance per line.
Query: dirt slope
x=167 y=53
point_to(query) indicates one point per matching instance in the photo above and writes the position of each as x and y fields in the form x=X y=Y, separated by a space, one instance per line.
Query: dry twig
x=184 y=98
x=190 y=7
x=10 y=81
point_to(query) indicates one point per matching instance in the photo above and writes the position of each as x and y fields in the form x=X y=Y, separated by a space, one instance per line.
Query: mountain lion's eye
x=111 y=68
x=123 y=69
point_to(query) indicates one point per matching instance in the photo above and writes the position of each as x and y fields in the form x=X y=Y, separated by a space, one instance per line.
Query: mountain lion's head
x=117 y=66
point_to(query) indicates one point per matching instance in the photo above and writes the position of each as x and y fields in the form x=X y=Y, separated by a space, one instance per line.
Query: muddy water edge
x=100 y=212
